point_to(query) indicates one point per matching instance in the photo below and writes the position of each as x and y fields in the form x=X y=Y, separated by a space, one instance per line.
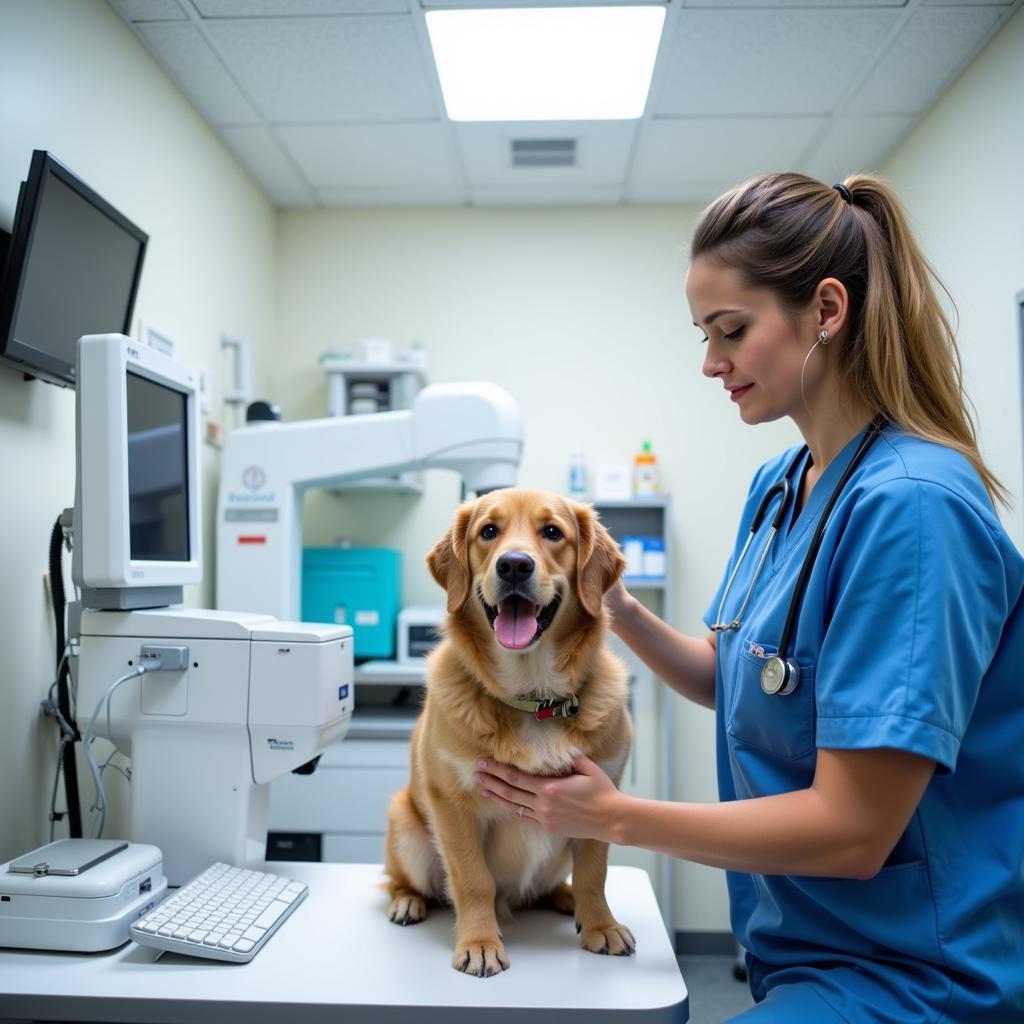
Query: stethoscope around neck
x=780 y=673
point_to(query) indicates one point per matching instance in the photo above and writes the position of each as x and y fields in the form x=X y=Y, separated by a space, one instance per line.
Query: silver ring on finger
x=520 y=810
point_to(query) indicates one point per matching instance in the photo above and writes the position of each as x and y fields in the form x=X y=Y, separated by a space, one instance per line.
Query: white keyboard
x=225 y=913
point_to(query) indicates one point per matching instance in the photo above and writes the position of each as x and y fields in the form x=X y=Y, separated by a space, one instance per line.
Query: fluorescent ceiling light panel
x=547 y=63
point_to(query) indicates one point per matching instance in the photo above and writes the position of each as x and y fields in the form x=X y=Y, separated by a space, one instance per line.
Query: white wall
x=960 y=173
x=75 y=81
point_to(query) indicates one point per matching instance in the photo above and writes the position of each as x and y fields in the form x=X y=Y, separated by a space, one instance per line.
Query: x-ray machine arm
x=473 y=429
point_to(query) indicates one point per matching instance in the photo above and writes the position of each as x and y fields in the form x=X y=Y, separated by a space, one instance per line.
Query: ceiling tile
x=925 y=57
x=716 y=4
x=328 y=69
x=263 y=158
x=856 y=144
x=602 y=152
x=408 y=196
x=573 y=195
x=671 y=152
x=355 y=118
x=295 y=8
x=766 y=61
x=149 y=10
x=200 y=75
x=293 y=199
x=538 y=3
x=692 y=190
x=371 y=156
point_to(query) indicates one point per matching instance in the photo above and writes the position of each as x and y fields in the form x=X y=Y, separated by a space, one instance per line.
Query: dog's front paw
x=480 y=957
x=408 y=907
x=611 y=938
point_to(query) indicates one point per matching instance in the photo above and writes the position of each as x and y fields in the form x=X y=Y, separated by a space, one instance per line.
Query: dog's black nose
x=515 y=566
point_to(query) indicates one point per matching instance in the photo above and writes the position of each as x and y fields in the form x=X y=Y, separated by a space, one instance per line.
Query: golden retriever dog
x=522 y=675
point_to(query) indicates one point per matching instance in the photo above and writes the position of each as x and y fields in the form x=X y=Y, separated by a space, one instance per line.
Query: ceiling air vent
x=543 y=152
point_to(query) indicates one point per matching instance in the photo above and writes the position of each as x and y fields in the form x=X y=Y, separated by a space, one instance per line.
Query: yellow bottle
x=645 y=472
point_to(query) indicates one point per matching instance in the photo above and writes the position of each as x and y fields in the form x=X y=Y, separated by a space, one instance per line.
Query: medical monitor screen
x=73 y=268
x=157 y=471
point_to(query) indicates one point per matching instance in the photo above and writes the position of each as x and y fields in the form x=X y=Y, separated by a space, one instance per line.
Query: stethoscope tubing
x=781 y=673
x=812 y=551
x=719 y=626
x=784 y=489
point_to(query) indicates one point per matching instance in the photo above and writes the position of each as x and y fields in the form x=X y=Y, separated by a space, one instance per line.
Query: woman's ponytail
x=788 y=232
x=907 y=360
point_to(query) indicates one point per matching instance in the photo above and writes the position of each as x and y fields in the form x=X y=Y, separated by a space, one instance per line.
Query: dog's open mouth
x=518 y=623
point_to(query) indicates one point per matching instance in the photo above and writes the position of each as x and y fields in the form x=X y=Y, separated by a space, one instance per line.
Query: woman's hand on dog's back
x=620 y=603
x=686 y=663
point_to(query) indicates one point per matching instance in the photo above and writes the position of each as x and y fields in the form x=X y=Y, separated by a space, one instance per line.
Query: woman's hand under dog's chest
x=548 y=756
x=546 y=748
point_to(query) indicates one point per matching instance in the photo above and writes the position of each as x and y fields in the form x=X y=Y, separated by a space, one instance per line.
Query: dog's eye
x=489 y=532
x=551 y=532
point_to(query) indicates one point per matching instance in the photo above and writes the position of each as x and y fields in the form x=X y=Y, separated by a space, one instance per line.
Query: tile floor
x=715 y=995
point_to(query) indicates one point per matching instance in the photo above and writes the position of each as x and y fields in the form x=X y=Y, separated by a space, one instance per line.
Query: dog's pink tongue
x=516 y=624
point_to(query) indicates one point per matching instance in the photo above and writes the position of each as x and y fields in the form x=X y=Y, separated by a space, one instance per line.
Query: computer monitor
x=72 y=268
x=138 y=527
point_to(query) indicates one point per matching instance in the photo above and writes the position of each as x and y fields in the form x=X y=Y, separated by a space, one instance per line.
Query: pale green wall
x=579 y=312
x=960 y=173
x=75 y=81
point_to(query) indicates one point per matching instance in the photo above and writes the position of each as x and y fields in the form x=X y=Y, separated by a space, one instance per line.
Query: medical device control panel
x=256 y=699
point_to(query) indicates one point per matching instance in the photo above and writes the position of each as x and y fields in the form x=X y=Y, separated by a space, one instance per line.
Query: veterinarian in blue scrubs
x=871 y=820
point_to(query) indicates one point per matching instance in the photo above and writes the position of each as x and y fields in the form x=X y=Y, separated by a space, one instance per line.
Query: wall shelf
x=395 y=383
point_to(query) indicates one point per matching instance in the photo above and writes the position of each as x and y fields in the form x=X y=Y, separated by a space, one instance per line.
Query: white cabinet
x=342 y=807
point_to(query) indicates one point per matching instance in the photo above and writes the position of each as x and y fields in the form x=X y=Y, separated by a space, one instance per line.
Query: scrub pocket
x=783 y=726
x=895 y=910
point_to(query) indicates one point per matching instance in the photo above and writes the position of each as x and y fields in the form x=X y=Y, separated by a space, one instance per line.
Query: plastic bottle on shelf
x=578 y=476
x=645 y=472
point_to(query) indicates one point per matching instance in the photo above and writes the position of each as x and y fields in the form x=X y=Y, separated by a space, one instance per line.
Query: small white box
x=612 y=482
x=645 y=557
x=654 y=559
x=418 y=632
x=80 y=895
x=376 y=350
x=633 y=552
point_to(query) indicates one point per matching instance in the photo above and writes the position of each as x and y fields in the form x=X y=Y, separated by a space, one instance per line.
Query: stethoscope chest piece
x=780 y=675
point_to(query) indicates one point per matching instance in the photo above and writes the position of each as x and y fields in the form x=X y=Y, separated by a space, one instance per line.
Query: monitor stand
x=130 y=598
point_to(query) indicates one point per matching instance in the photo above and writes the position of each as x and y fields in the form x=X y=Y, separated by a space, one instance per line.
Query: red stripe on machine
x=252 y=540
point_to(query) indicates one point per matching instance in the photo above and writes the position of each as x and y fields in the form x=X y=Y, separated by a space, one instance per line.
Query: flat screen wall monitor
x=72 y=268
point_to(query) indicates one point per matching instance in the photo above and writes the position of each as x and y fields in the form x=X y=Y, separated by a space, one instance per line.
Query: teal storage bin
x=357 y=587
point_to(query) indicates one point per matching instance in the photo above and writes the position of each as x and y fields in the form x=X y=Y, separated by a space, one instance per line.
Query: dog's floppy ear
x=599 y=562
x=448 y=560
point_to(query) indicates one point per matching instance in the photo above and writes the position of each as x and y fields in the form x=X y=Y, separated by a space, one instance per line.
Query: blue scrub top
x=910 y=636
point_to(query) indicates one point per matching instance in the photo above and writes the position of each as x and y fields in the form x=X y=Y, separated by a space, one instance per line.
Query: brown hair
x=788 y=232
